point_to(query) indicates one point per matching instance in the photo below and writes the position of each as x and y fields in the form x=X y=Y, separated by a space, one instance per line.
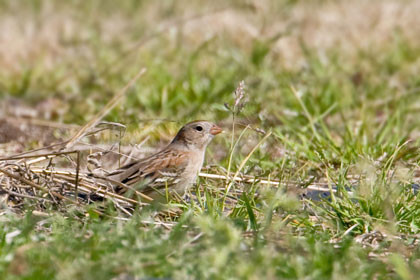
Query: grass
x=337 y=91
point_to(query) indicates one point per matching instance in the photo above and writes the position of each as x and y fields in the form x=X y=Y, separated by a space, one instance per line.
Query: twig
x=243 y=178
x=100 y=191
x=46 y=155
x=40 y=122
x=69 y=173
x=40 y=149
x=77 y=174
x=32 y=184
x=122 y=185
x=23 y=195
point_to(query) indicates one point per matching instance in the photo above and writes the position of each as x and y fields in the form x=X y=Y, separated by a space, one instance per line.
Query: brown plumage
x=175 y=168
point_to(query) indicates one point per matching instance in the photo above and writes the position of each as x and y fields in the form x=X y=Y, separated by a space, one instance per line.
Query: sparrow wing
x=155 y=172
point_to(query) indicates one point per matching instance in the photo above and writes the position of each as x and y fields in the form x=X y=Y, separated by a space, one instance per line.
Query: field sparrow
x=175 y=168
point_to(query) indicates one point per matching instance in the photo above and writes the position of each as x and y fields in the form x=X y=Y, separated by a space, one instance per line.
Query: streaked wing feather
x=155 y=172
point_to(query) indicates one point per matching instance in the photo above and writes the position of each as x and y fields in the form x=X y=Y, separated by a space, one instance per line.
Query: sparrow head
x=197 y=134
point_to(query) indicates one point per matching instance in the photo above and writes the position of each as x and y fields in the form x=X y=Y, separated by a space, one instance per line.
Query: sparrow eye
x=199 y=128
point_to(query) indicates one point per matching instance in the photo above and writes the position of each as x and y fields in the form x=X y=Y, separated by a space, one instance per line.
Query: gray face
x=198 y=133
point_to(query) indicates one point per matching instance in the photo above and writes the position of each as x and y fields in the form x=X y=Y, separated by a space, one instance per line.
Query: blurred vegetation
x=337 y=83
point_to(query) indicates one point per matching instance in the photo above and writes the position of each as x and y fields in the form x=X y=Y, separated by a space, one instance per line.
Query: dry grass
x=56 y=36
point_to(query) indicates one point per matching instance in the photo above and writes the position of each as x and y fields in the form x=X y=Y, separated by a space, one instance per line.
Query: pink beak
x=215 y=130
